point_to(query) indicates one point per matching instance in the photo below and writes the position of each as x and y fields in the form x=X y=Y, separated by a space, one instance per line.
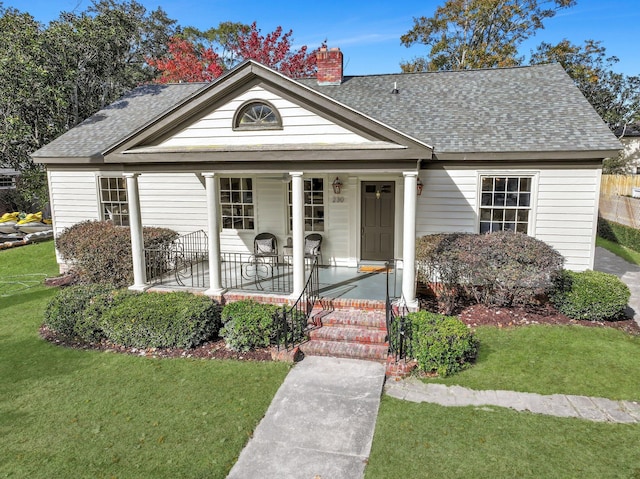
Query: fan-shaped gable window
x=257 y=115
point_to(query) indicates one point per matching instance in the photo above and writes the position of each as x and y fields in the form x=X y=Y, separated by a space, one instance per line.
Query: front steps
x=349 y=333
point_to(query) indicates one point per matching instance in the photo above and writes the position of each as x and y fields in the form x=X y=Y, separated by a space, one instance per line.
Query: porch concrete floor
x=335 y=282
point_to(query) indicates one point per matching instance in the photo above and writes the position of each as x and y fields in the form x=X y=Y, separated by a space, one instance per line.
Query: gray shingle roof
x=118 y=121
x=536 y=108
x=524 y=109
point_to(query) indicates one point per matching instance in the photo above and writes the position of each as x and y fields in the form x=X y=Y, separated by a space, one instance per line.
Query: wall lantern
x=337 y=185
x=419 y=186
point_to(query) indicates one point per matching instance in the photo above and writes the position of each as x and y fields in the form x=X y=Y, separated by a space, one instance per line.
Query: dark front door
x=378 y=215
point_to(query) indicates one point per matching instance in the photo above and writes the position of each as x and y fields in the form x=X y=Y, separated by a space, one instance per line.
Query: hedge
x=439 y=343
x=501 y=268
x=618 y=233
x=100 y=252
x=162 y=320
x=591 y=295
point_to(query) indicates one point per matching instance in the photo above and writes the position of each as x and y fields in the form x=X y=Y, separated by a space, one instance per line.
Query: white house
x=410 y=154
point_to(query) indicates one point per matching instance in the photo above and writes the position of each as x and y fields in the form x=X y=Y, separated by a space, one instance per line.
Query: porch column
x=297 y=201
x=135 y=225
x=409 y=239
x=213 y=235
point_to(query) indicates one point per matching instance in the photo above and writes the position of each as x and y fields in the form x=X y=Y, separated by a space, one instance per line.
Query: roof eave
x=527 y=155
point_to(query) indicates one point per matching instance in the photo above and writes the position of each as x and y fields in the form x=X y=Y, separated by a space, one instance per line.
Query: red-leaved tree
x=274 y=51
x=186 y=62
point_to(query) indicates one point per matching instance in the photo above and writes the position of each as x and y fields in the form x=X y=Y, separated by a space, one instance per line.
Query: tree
x=191 y=60
x=465 y=34
x=274 y=51
x=223 y=38
x=615 y=96
x=52 y=78
x=187 y=62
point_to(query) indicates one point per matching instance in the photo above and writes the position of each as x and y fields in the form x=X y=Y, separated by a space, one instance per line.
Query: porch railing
x=246 y=271
x=398 y=326
x=183 y=260
x=292 y=323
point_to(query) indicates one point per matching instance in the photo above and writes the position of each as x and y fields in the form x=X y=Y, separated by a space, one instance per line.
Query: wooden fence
x=616 y=202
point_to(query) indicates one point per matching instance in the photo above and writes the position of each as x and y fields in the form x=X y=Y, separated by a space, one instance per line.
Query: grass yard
x=627 y=254
x=70 y=413
x=429 y=441
x=555 y=360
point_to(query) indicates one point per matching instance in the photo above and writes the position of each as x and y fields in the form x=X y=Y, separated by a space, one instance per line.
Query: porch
x=184 y=264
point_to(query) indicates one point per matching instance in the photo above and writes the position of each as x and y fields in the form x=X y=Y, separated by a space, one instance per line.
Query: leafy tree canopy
x=465 y=34
x=192 y=55
x=53 y=77
x=615 y=96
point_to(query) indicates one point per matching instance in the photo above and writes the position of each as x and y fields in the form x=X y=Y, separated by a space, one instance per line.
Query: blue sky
x=368 y=31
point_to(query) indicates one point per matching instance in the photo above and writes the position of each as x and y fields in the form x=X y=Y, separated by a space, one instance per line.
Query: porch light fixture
x=419 y=187
x=337 y=185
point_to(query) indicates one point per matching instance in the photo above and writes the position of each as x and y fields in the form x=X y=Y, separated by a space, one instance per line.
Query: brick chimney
x=329 y=64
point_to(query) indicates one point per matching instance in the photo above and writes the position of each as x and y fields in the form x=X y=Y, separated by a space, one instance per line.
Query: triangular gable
x=311 y=122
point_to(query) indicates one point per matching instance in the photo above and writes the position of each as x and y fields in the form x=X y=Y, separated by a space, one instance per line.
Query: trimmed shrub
x=76 y=311
x=443 y=344
x=502 y=268
x=100 y=252
x=618 y=233
x=591 y=295
x=248 y=324
x=162 y=320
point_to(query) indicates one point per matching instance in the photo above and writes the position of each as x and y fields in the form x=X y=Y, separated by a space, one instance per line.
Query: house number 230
x=338 y=199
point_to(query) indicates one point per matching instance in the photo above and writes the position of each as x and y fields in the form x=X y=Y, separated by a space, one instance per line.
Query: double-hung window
x=236 y=202
x=7 y=182
x=313 y=205
x=113 y=200
x=505 y=203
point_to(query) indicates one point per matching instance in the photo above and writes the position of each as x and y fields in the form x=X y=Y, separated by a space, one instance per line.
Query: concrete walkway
x=561 y=405
x=608 y=262
x=320 y=423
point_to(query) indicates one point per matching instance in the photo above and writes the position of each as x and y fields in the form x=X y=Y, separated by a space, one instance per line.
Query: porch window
x=236 y=202
x=313 y=205
x=505 y=204
x=257 y=115
x=113 y=200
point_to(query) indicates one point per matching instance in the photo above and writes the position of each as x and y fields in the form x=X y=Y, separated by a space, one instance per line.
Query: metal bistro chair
x=265 y=246
x=312 y=246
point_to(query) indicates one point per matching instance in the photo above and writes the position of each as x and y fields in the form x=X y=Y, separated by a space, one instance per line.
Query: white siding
x=177 y=201
x=300 y=126
x=564 y=209
x=74 y=197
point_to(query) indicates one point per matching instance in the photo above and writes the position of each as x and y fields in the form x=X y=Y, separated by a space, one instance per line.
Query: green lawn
x=627 y=254
x=555 y=359
x=69 y=413
x=424 y=441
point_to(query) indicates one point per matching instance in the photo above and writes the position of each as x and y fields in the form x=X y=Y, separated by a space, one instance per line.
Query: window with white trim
x=7 y=182
x=236 y=203
x=257 y=115
x=113 y=200
x=505 y=203
x=313 y=205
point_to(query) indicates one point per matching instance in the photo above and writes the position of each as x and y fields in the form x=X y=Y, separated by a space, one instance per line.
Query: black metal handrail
x=398 y=326
x=183 y=260
x=292 y=323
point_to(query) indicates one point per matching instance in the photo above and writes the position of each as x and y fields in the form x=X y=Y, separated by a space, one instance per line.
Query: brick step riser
x=346 y=350
x=373 y=326
x=364 y=321
x=349 y=334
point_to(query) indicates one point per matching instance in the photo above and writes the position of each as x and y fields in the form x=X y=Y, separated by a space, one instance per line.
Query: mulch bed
x=210 y=350
x=479 y=315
